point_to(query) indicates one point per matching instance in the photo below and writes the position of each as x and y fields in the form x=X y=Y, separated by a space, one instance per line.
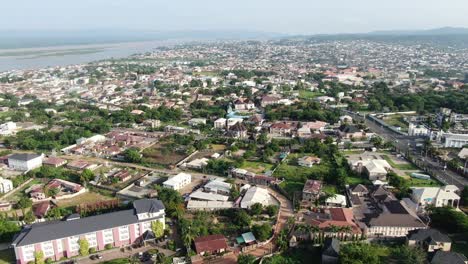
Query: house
x=331 y=251
x=5 y=206
x=327 y=218
x=312 y=190
x=25 y=161
x=7 y=128
x=178 y=181
x=395 y=220
x=337 y=200
x=238 y=130
x=211 y=244
x=283 y=129
x=374 y=169
x=197 y=121
x=220 y=123
x=217 y=186
x=5 y=185
x=255 y=195
x=308 y=161
x=442 y=257
x=359 y=190
x=80 y=165
x=40 y=209
x=429 y=239
x=269 y=100
x=435 y=196
x=58 y=239
x=54 y=162
x=122 y=175
x=244 y=104
x=348 y=131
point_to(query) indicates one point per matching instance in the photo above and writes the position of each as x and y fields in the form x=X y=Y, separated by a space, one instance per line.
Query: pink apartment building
x=57 y=239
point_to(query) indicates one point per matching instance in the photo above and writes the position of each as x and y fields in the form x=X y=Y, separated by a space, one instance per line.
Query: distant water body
x=35 y=58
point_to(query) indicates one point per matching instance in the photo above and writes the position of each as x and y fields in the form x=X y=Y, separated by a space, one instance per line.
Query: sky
x=279 y=16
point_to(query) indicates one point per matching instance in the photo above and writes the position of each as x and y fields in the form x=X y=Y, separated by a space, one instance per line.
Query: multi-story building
x=417 y=130
x=60 y=239
x=178 y=181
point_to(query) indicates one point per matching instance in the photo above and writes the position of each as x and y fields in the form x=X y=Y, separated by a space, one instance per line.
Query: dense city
x=292 y=150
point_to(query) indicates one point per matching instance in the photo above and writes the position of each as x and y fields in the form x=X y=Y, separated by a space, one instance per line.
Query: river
x=35 y=58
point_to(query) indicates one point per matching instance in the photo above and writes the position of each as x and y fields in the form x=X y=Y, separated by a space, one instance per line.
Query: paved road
x=406 y=145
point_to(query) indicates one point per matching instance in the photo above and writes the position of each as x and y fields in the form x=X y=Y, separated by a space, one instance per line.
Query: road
x=406 y=145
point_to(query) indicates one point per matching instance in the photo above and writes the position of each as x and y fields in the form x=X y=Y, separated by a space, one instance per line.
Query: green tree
x=408 y=255
x=272 y=210
x=256 y=208
x=7 y=230
x=24 y=203
x=84 y=246
x=157 y=228
x=132 y=155
x=87 y=175
x=246 y=259
x=358 y=253
x=39 y=257
x=29 y=217
x=464 y=196
x=262 y=232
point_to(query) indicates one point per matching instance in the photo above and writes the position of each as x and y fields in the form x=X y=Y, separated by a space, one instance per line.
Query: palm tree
x=187 y=238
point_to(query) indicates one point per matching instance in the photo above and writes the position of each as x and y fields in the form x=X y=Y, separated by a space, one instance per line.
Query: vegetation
x=262 y=232
x=246 y=259
x=157 y=228
x=84 y=247
x=360 y=253
x=457 y=224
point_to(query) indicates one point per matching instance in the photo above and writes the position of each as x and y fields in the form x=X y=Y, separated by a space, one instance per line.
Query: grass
x=306 y=94
x=415 y=182
x=356 y=180
x=117 y=261
x=397 y=121
x=292 y=187
x=300 y=174
x=7 y=256
x=257 y=166
x=20 y=193
x=460 y=243
x=352 y=152
x=88 y=197
x=406 y=166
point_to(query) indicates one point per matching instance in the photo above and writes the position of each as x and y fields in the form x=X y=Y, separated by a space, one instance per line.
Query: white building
x=5 y=185
x=178 y=181
x=8 y=128
x=454 y=140
x=417 y=130
x=308 y=161
x=220 y=123
x=217 y=186
x=197 y=121
x=25 y=161
x=255 y=195
x=435 y=196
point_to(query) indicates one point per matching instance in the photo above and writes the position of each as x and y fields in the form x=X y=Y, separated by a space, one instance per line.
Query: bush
x=108 y=246
x=49 y=261
x=92 y=250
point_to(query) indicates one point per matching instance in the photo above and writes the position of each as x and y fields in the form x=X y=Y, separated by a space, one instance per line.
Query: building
x=374 y=169
x=442 y=257
x=7 y=128
x=451 y=140
x=238 y=130
x=325 y=219
x=178 y=181
x=220 y=123
x=331 y=251
x=435 y=196
x=417 y=130
x=5 y=185
x=308 y=161
x=25 y=161
x=395 y=220
x=429 y=240
x=217 y=186
x=54 y=162
x=255 y=195
x=311 y=190
x=211 y=244
x=197 y=121
x=59 y=239
x=337 y=200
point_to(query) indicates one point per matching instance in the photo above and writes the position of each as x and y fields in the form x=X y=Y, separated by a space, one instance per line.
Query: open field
x=397 y=121
x=88 y=197
x=400 y=165
x=306 y=94
x=162 y=155
x=257 y=166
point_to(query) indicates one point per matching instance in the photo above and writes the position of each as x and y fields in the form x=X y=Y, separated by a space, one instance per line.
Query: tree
x=7 y=230
x=458 y=220
x=358 y=253
x=464 y=196
x=272 y=210
x=246 y=259
x=262 y=232
x=242 y=219
x=408 y=255
x=29 y=217
x=132 y=155
x=84 y=246
x=24 y=203
x=86 y=176
x=39 y=257
x=158 y=228
x=256 y=208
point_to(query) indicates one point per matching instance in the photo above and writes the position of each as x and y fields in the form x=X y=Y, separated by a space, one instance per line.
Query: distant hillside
x=428 y=32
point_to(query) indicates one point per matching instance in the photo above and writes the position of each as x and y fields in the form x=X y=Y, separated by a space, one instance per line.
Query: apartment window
x=73 y=242
x=108 y=236
x=146 y=226
x=91 y=239
x=137 y=229
x=123 y=233
x=28 y=252
x=47 y=249
x=59 y=246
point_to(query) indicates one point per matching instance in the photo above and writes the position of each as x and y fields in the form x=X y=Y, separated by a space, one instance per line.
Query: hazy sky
x=285 y=16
